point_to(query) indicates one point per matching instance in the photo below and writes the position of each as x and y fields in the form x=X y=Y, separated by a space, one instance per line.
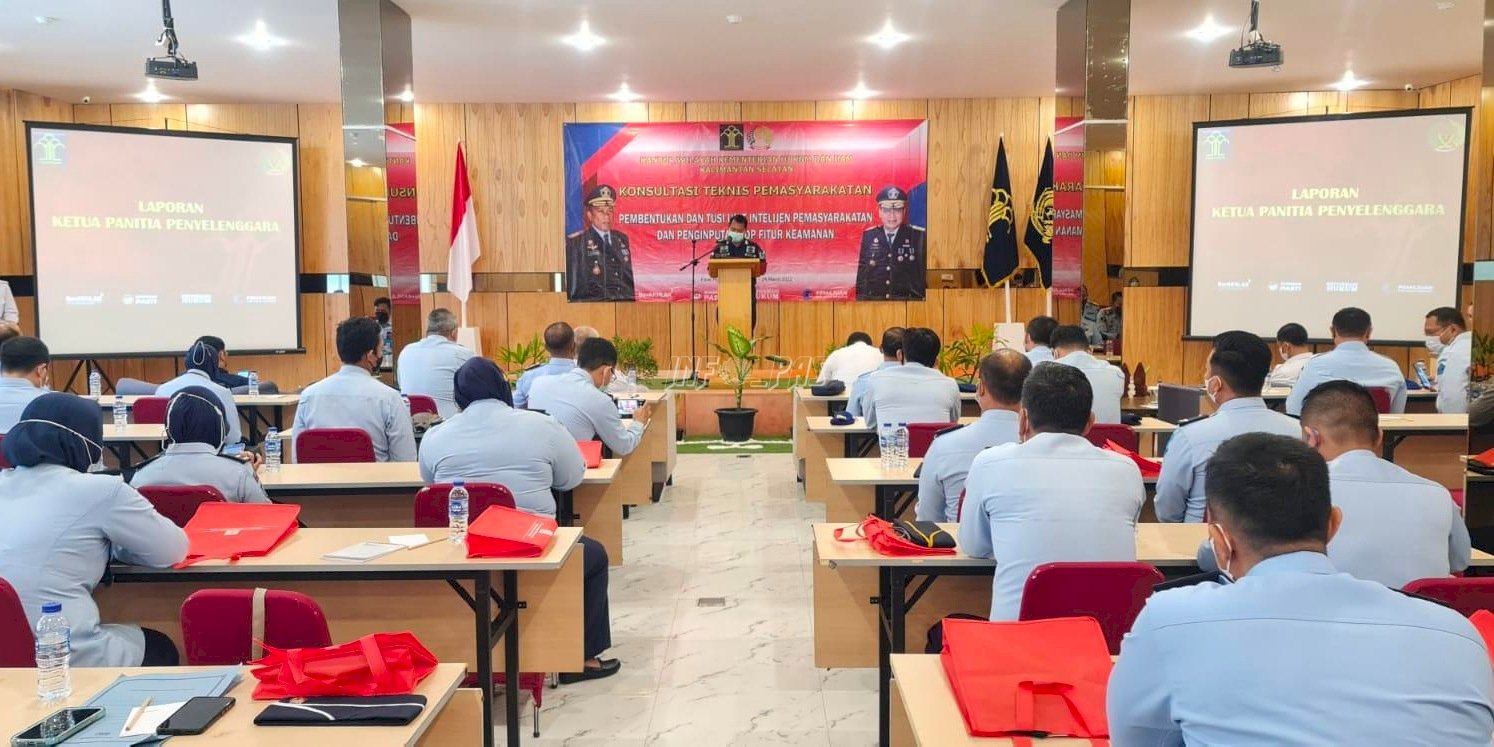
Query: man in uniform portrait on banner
x=599 y=265
x=892 y=262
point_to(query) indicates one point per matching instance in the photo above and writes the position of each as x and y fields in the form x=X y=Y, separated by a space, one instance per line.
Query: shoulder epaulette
x=950 y=429
x=1212 y=577
x=1190 y=421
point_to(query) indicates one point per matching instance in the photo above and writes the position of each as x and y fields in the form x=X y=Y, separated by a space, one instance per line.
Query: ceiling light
x=733 y=19
x=408 y=96
x=151 y=95
x=356 y=163
x=1349 y=82
x=1208 y=31
x=584 y=39
x=44 y=20
x=888 y=37
x=260 y=38
x=861 y=91
x=624 y=94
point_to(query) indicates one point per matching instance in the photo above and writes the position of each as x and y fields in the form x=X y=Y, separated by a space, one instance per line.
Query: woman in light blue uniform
x=60 y=526
x=202 y=370
x=196 y=430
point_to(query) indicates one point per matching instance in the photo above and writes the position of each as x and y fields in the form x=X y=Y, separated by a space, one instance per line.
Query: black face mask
x=382 y=317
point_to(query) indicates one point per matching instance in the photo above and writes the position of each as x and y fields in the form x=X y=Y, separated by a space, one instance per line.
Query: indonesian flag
x=464 y=248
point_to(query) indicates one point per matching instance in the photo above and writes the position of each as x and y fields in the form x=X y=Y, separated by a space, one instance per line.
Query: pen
x=129 y=725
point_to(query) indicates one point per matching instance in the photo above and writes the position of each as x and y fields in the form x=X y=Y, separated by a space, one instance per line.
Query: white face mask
x=1206 y=391
x=1434 y=344
x=1223 y=564
x=97 y=464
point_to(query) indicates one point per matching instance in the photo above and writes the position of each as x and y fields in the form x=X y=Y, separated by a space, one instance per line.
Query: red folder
x=502 y=532
x=1148 y=467
x=235 y=530
x=591 y=452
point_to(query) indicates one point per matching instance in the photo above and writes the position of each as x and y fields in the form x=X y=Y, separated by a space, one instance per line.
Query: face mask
x=1207 y=393
x=1223 y=564
x=382 y=317
x=736 y=237
x=97 y=464
x=1434 y=344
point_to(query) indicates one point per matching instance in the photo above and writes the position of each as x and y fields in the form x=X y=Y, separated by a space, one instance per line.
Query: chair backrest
x=921 y=435
x=1382 y=399
x=1111 y=593
x=430 y=502
x=150 y=409
x=1457 y=495
x=17 y=644
x=1466 y=595
x=217 y=625
x=4 y=463
x=333 y=446
x=179 y=502
x=1122 y=435
x=126 y=386
x=422 y=403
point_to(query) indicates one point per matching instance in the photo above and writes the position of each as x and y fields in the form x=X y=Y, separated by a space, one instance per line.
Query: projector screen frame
x=1457 y=272
x=295 y=146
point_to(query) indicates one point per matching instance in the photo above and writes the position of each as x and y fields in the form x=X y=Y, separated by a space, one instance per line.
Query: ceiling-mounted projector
x=1256 y=52
x=173 y=66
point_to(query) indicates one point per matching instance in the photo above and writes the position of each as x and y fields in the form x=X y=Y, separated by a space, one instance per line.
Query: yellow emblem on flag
x=1042 y=215
x=1001 y=207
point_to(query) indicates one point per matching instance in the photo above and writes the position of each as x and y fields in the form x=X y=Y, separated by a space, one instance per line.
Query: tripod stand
x=694 y=264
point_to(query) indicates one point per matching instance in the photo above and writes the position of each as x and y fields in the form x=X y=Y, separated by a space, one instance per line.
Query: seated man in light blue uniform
x=1351 y=359
x=1039 y=342
x=1293 y=652
x=202 y=370
x=196 y=432
x=1449 y=338
x=575 y=398
x=428 y=366
x=860 y=389
x=941 y=479
x=917 y=391
x=25 y=367
x=560 y=343
x=353 y=398
x=1236 y=371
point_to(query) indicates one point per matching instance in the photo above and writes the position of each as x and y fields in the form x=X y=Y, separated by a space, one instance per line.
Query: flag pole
x=1008 y=287
x=1049 y=304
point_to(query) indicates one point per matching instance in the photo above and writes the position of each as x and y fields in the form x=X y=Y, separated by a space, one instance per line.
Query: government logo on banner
x=48 y=148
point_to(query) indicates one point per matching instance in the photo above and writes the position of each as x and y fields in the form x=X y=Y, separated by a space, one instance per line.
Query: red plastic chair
x=150 y=410
x=1382 y=399
x=430 y=511
x=1122 y=435
x=1466 y=595
x=179 y=502
x=421 y=403
x=4 y=463
x=1457 y=495
x=1111 y=593
x=217 y=625
x=333 y=446
x=921 y=435
x=17 y=646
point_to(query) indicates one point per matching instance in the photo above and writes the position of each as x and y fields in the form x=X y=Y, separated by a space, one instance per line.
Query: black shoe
x=608 y=668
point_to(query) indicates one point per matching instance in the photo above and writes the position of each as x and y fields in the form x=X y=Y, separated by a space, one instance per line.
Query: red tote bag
x=880 y=535
x=376 y=664
x=503 y=532
x=1036 y=678
x=230 y=531
x=1148 y=467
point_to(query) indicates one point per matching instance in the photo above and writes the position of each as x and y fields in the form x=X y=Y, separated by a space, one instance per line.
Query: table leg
x=1388 y=444
x=884 y=656
x=511 y=655
x=482 y=610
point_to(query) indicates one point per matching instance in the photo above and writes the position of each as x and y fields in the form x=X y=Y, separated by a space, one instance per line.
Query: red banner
x=838 y=207
x=1068 y=206
x=404 y=220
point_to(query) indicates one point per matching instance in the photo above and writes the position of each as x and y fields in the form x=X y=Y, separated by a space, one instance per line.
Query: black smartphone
x=56 y=728
x=194 y=717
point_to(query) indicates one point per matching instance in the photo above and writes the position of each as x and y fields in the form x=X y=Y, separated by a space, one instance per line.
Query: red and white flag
x=464 y=247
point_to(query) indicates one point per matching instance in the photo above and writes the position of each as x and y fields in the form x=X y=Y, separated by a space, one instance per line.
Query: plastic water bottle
x=456 y=512
x=121 y=413
x=272 y=450
x=95 y=384
x=884 y=445
x=388 y=361
x=254 y=383
x=53 y=649
x=900 y=446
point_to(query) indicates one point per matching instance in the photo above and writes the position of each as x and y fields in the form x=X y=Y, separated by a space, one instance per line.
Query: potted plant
x=737 y=361
x=636 y=355
x=960 y=359
x=521 y=356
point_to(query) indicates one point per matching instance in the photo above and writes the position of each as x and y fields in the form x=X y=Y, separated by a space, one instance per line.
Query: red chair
x=217 y=625
x=333 y=446
x=17 y=646
x=1382 y=398
x=150 y=410
x=430 y=511
x=921 y=435
x=1122 y=435
x=1111 y=593
x=421 y=403
x=1457 y=495
x=4 y=463
x=179 y=502
x=1466 y=595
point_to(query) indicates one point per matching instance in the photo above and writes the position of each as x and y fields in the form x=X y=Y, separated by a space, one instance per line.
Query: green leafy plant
x=819 y=363
x=739 y=357
x=636 y=354
x=960 y=359
x=521 y=355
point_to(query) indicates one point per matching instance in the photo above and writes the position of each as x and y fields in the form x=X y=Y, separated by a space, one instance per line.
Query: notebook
x=363 y=551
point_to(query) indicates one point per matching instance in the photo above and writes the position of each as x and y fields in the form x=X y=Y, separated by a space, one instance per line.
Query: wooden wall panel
x=1159 y=142
x=777 y=111
x=92 y=114
x=438 y=129
x=149 y=116
x=713 y=111
x=513 y=160
x=870 y=317
x=636 y=111
x=1153 y=331
x=1483 y=183
x=324 y=230
x=647 y=320
x=488 y=312
x=666 y=111
x=705 y=330
x=926 y=313
x=768 y=327
x=34 y=108
x=280 y=120
x=834 y=110
x=1377 y=101
x=13 y=200
x=530 y=313
x=1229 y=106
x=890 y=109
x=805 y=328
x=966 y=307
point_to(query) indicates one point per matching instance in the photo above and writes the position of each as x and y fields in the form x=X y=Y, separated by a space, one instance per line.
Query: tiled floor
x=711 y=618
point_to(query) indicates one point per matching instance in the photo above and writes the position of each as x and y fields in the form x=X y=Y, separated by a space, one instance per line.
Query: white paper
x=363 y=551
x=147 y=722
x=409 y=540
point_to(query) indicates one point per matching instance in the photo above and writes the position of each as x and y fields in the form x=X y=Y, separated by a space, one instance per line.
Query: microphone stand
x=694 y=264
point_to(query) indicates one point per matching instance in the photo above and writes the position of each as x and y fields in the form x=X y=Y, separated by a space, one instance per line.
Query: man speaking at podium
x=736 y=245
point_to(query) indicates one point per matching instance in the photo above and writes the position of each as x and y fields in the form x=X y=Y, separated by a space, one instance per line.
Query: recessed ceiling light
x=151 y=95
x=356 y=163
x=584 y=39
x=733 y=19
x=260 y=38
x=861 y=91
x=44 y=20
x=1349 y=82
x=1446 y=5
x=888 y=37
x=408 y=96
x=1208 y=31
x=624 y=94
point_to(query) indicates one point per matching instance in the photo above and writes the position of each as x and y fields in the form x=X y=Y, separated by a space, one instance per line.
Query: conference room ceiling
x=674 y=50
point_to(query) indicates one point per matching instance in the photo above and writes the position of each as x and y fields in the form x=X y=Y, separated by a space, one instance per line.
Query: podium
x=734 y=297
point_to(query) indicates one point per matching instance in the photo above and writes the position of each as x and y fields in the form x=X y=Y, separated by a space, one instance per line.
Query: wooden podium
x=734 y=297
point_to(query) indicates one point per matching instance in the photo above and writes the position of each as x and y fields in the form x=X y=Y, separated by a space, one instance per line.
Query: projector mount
x=173 y=66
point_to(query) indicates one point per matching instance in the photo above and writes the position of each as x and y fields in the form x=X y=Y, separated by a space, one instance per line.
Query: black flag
x=1040 y=221
x=1000 y=261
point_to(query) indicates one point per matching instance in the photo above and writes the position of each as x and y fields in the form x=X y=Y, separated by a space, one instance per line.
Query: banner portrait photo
x=839 y=208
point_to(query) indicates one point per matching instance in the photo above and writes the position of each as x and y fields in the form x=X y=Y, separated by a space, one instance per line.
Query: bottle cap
x=457 y=483
x=51 y=608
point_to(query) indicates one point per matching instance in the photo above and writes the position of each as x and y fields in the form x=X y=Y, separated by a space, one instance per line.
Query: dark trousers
x=159 y=650
x=598 y=623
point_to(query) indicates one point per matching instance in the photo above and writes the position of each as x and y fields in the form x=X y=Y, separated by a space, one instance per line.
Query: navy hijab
x=479 y=379
x=60 y=441
x=195 y=415
x=203 y=357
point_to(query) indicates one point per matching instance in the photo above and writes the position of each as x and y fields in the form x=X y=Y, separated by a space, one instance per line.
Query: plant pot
x=736 y=423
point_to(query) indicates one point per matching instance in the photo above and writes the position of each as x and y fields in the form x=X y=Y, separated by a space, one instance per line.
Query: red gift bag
x=235 y=530
x=1483 y=621
x=591 y=453
x=376 y=664
x=1148 y=467
x=503 y=532
x=880 y=535
x=1035 y=678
